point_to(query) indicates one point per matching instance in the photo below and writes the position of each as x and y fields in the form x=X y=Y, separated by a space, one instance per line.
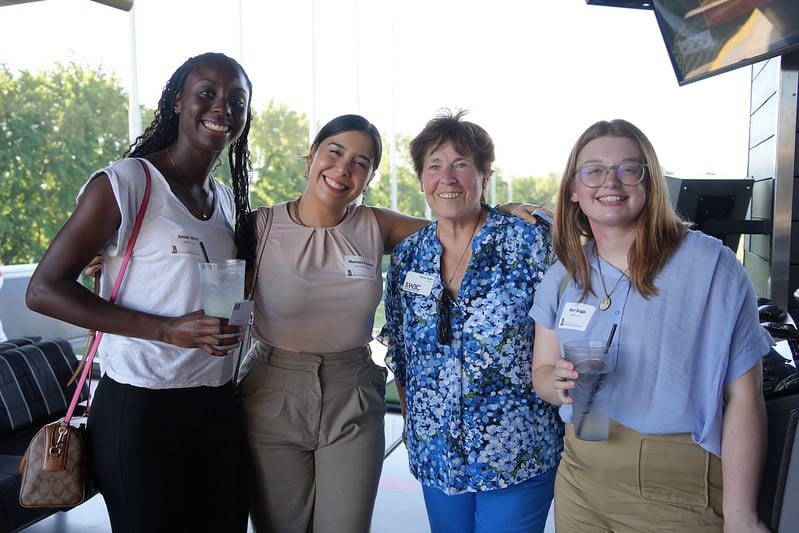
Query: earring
x=363 y=196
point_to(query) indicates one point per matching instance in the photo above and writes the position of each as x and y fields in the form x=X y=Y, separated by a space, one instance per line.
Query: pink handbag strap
x=87 y=367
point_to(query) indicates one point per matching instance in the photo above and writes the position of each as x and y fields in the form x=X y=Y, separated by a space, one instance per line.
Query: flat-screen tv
x=716 y=206
x=634 y=4
x=708 y=37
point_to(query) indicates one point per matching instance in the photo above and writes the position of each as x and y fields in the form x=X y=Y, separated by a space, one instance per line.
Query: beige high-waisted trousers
x=634 y=483
x=315 y=426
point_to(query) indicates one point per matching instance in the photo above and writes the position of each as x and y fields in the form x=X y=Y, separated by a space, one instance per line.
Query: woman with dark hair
x=314 y=400
x=460 y=342
x=168 y=448
x=687 y=420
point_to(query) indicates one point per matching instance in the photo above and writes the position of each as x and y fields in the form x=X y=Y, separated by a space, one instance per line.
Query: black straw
x=610 y=337
x=205 y=254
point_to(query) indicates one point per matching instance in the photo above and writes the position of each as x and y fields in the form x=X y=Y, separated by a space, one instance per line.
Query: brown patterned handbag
x=54 y=467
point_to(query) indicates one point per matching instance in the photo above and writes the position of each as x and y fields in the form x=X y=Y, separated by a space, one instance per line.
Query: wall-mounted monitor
x=708 y=37
x=634 y=4
x=717 y=206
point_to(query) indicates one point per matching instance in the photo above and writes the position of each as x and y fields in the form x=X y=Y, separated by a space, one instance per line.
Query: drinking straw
x=205 y=254
x=598 y=383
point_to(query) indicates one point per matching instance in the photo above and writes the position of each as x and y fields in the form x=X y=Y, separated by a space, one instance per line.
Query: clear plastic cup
x=222 y=286
x=595 y=364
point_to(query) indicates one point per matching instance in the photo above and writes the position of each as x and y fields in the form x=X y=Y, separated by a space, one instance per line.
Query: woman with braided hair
x=165 y=429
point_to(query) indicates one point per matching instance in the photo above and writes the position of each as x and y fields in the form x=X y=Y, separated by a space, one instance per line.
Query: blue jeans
x=522 y=508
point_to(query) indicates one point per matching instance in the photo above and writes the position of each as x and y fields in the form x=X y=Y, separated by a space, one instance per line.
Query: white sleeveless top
x=318 y=288
x=162 y=277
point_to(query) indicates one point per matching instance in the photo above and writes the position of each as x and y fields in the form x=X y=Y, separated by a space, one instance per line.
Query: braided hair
x=163 y=131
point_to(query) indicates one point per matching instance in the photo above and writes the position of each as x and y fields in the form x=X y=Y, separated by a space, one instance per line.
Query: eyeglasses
x=444 y=326
x=594 y=176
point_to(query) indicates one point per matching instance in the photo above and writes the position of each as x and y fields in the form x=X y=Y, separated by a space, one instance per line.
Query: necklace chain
x=465 y=249
x=606 y=302
x=203 y=213
x=297 y=216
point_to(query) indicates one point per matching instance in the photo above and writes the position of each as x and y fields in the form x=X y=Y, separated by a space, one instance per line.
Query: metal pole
x=393 y=139
x=134 y=111
x=312 y=118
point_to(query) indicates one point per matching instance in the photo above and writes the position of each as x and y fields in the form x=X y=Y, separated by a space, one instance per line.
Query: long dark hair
x=163 y=131
x=344 y=123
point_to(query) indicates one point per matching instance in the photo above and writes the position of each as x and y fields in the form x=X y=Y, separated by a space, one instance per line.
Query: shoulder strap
x=563 y=284
x=89 y=357
x=259 y=254
x=267 y=214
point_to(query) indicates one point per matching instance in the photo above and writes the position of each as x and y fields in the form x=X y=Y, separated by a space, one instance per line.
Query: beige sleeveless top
x=318 y=288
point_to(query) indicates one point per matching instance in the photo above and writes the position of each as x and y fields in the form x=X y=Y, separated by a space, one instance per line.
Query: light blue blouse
x=676 y=351
x=474 y=422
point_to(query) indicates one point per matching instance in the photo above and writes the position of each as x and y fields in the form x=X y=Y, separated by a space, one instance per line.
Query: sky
x=533 y=73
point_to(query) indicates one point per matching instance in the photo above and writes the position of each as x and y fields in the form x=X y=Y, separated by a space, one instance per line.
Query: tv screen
x=716 y=206
x=708 y=37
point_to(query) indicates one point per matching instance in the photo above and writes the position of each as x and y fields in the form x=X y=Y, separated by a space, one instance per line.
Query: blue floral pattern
x=474 y=422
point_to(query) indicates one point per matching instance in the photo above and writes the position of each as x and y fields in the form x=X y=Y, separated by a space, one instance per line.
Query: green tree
x=278 y=144
x=410 y=199
x=56 y=127
x=538 y=191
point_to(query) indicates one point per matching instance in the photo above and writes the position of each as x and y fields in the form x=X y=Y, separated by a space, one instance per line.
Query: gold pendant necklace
x=205 y=215
x=606 y=302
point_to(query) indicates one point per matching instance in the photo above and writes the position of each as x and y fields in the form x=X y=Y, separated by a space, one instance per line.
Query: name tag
x=417 y=283
x=575 y=316
x=241 y=313
x=356 y=266
x=185 y=244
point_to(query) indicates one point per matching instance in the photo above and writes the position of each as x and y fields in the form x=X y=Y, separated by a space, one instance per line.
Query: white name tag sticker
x=241 y=313
x=186 y=244
x=576 y=316
x=356 y=266
x=417 y=283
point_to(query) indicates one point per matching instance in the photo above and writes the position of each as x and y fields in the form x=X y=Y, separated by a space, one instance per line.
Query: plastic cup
x=591 y=394
x=221 y=286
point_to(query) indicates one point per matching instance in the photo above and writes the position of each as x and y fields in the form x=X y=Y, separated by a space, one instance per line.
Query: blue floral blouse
x=473 y=421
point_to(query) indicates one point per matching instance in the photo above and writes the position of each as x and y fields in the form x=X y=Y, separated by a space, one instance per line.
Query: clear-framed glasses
x=594 y=175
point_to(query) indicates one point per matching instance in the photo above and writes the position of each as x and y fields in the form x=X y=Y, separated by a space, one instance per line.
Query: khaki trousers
x=634 y=482
x=315 y=429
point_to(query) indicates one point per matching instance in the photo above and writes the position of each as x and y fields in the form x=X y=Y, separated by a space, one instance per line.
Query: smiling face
x=340 y=168
x=612 y=203
x=452 y=184
x=213 y=105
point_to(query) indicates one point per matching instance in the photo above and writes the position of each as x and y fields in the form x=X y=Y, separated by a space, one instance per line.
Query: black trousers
x=170 y=460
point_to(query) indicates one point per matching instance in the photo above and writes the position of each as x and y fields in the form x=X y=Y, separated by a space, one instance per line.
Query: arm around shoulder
x=395 y=226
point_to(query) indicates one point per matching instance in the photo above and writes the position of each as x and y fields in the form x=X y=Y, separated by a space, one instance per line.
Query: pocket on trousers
x=372 y=387
x=261 y=390
x=672 y=472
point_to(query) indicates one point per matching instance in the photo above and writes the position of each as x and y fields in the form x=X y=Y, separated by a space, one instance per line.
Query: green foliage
x=538 y=191
x=278 y=144
x=60 y=125
x=56 y=127
x=410 y=199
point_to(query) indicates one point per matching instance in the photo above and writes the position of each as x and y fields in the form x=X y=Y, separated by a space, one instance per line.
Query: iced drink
x=222 y=286
x=592 y=390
